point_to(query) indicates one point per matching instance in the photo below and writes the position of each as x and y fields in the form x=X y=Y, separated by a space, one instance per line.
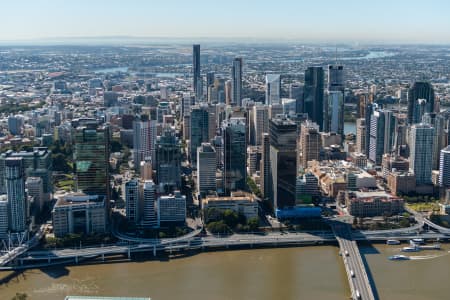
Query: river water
x=283 y=273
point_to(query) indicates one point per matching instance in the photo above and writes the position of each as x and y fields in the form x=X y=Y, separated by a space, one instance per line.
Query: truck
x=352 y=273
x=358 y=295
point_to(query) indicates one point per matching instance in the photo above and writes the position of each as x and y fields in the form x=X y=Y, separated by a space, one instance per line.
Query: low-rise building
x=79 y=213
x=401 y=182
x=370 y=204
x=241 y=202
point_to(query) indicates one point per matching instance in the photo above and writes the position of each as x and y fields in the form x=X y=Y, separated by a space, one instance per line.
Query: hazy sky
x=312 y=20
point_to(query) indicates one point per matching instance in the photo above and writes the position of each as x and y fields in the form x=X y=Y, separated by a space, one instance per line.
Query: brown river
x=283 y=273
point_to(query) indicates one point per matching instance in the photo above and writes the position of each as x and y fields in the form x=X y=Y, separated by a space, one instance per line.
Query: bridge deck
x=356 y=272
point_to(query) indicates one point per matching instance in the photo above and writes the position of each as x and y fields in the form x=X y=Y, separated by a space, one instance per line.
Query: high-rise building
x=265 y=165
x=17 y=198
x=168 y=160
x=35 y=189
x=3 y=216
x=334 y=112
x=444 y=168
x=310 y=143
x=210 y=79
x=199 y=130
x=420 y=90
x=313 y=95
x=382 y=134
x=273 y=89
x=196 y=70
x=92 y=160
x=172 y=208
x=144 y=137
x=438 y=121
x=234 y=154
x=132 y=203
x=236 y=82
x=37 y=163
x=15 y=124
x=361 y=135
x=206 y=168
x=421 y=146
x=296 y=92
x=149 y=217
x=283 y=161
x=260 y=123
x=336 y=81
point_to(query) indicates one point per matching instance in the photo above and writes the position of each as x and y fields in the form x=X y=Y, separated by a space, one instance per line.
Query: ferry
x=417 y=241
x=414 y=248
x=399 y=257
x=392 y=242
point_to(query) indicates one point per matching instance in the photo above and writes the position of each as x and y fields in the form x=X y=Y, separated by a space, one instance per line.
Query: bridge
x=356 y=272
x=15 y=252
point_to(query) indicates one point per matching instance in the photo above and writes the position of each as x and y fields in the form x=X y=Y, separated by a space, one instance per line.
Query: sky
x=391 y=21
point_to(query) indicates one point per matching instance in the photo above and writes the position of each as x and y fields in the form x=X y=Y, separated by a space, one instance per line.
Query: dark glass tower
x=419 y=90
x=236 y=82
x=313 y=95
x=234 y=155
x=196 y=69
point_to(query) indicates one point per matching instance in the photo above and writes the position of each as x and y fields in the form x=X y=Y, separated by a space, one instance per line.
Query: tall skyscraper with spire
x=236 y=82
x=197 y=83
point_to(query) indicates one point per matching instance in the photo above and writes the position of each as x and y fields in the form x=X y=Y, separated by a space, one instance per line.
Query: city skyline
x=46 y=21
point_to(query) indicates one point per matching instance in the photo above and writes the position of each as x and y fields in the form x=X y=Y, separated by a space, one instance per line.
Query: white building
x=15 y=189
x=172 y=208
x=206 y=168
x=149 y=218
x=3 y=216
x=444 y=168
x=421 y=157
x=132 y=201
x=273 y=89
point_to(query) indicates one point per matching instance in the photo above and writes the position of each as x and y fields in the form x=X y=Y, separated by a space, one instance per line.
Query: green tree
x=253 y=224
x=60 y=163
x=230 y=218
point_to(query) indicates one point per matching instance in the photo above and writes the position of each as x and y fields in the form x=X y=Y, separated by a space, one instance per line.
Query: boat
x=431 y=247
x=393 y=242
x=399 y=257
x=417 y=241
x=414 y=248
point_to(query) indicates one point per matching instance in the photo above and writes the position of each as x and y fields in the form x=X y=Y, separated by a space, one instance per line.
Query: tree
x=230 y=218
x=60 y=163
x=253 y=224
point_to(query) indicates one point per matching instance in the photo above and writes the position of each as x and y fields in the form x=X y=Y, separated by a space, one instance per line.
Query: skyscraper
x=206 y=168
x=382 y=134
x=168 y=160
x=92 y=160
x=296 y=92
x=265 y=165
x=334 y=112
x=149 y=218
x=132 y=201
x=361 y=135
x=419 y=90
x=313 y=95
x=15 y=189
x=144 y=137
x=310 y=143
x=336 y=81
x=260 y=123
x=196 y=70
x=199 y=132
x=283 y=161
x=421 y=145
x=234 y=155
x=444 y=168
x=236 y=82
x=273 y=89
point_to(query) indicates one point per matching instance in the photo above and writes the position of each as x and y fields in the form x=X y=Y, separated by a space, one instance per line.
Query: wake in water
x=427 y=256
